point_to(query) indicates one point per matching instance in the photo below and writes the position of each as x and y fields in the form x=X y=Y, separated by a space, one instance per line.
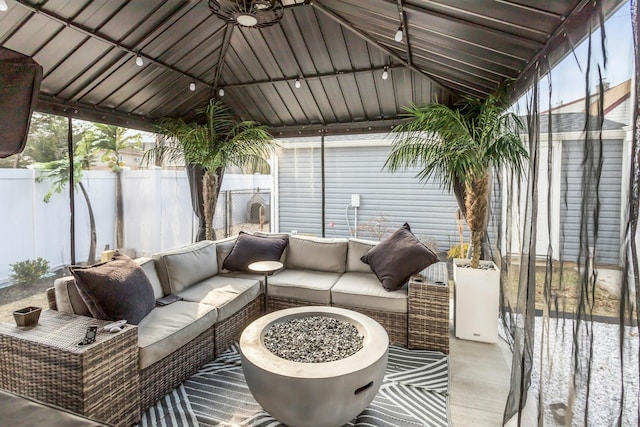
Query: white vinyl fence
x=157 y=214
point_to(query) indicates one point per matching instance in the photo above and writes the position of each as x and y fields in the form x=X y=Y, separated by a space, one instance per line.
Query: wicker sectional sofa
x=176 y=339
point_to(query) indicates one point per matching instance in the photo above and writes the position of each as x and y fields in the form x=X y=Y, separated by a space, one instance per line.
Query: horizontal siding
x=387 y=200
x=300 y=190
x=572 y=204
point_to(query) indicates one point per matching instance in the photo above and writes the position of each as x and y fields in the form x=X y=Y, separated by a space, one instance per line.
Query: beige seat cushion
x=228 y=294
x=365 y=290
x=182 y=267
x=305 y=285
x=168 y=328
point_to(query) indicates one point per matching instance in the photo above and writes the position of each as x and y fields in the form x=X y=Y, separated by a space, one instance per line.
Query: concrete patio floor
x=479 y=382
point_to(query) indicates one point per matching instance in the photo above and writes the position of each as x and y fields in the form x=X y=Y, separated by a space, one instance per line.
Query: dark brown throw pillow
x=398 y=257
x=115 y=290
x=249 y=249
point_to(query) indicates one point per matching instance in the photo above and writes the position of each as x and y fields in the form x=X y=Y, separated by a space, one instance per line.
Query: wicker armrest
x=429 y=309
x=51 y=298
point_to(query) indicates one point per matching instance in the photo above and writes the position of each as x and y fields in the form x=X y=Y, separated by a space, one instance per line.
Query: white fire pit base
x=314 y=394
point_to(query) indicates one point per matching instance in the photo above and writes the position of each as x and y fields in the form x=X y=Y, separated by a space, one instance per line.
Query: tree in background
x=57 y=171
x=47 y=141
x=113 y=139
x=219 y=142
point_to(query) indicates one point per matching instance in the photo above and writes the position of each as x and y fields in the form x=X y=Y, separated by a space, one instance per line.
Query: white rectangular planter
x=477 y=295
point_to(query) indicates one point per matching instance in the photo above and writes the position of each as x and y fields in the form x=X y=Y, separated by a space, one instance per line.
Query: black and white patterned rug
x=414 y=392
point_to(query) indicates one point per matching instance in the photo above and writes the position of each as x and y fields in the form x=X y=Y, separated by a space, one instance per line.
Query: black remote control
x=89 y=336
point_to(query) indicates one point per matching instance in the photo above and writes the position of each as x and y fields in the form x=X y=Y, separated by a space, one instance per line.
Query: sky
x=568 y=77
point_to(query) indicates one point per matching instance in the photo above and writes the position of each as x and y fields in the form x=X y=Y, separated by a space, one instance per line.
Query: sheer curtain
x=567 y=245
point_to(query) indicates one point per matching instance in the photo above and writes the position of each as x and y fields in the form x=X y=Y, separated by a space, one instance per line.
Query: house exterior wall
x=576 y=204
x=356 y=166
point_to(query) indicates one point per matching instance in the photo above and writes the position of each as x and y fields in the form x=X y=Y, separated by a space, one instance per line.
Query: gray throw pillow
x=115 y=290
x=398 y=257
x=249 y=249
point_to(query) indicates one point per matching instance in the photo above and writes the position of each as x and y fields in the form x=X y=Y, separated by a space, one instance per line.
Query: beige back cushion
x=68 y=299
x=223 y=249
x=320 y=254
x=357 y=248
x=182 y=267
x=148 y=265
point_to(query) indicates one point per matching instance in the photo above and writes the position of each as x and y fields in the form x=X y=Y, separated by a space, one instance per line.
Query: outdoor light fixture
x=221 y=92
x=3 y=6
x=399 y=35
x=139 y=61
x=385 y=73
x=192 y=86
x=248 y=13
x=297 y=84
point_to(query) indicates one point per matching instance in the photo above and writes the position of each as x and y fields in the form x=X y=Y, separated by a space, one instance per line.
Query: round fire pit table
x=325 y=394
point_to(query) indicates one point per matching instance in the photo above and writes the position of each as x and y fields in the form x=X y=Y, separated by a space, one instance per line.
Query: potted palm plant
x=460 y=146
x=217 y=142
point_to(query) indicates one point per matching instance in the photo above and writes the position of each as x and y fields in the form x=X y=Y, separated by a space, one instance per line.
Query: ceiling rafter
x=405 y=32
x=489 y=18
x=318 y=76
x=530 y=8
x=228 y=31
x=346 y=24
x=105 y=39
x=560 y=31
x=467 y=23
x=384 y=125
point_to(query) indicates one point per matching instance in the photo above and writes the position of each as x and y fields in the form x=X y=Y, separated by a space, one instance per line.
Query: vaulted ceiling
x=337 y=49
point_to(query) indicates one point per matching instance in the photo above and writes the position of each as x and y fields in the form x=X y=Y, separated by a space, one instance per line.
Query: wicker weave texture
x=228 y=331
x=166 y=374
x=99 y=381
x=394 y=323
x=429 y=309
x=278 y=303
x=51 y=298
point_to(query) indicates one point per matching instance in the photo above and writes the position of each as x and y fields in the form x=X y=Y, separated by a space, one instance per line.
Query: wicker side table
x=99 y=381
x=429 y=309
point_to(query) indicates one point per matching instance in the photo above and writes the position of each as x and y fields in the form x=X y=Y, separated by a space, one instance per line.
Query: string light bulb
x=399 y=35
x=3 y=6
x=221 y=92
x=385 y=73
x=192 y=86
x=139 y=61
x=297 y=84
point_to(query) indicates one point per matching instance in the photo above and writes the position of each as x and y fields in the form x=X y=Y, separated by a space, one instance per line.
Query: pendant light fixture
x=399 y=35
x=192 y=86
x=385 y=73
x=297 y=84
x=221 y=92
x=3 y=6
x=139 y=61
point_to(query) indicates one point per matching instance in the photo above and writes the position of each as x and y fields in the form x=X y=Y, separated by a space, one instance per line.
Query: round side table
x=265 y=267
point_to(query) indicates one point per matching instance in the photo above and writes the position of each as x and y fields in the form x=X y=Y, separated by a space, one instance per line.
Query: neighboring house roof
x=613 y=96
x=575 y=122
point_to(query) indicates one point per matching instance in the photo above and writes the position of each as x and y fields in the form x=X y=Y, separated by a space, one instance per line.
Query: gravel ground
x=606 y=371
